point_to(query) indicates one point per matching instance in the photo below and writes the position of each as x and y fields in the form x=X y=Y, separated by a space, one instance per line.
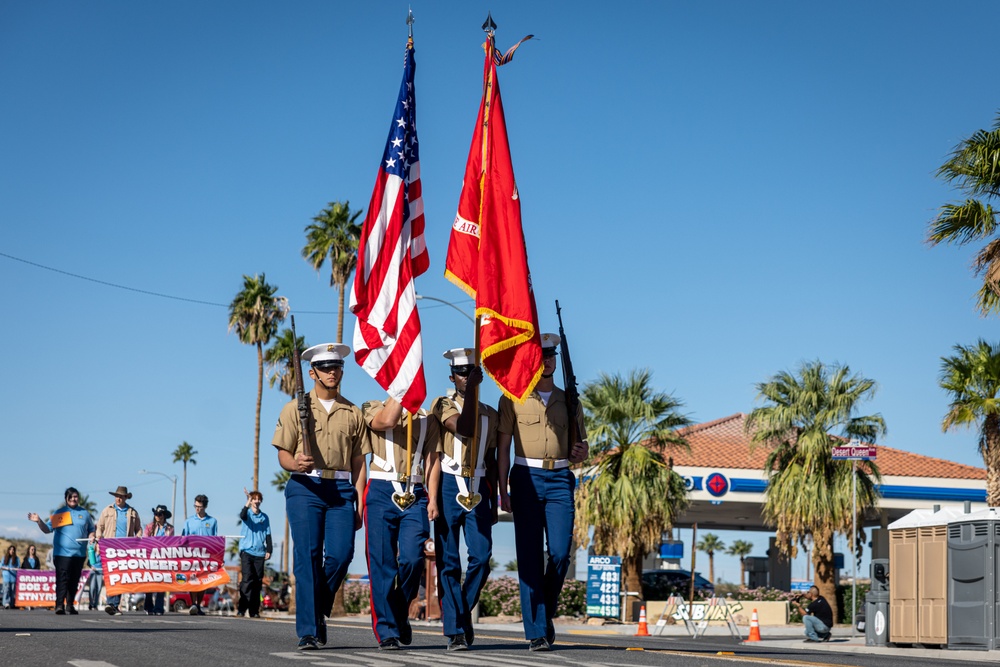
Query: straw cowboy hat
x=122 y=491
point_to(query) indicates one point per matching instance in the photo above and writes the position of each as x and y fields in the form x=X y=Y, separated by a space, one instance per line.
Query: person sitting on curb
x=817 y=617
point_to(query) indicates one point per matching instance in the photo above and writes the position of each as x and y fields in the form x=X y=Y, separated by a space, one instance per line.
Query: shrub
x=502 y=595
x=572 y=599
x=357 y=598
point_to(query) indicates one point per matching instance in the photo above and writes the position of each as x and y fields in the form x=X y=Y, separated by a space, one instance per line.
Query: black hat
x=162 y=509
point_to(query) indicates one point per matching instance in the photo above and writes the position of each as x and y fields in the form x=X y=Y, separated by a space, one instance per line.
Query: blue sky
x=715 y=190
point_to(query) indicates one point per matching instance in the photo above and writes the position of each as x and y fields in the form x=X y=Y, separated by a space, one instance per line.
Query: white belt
x=327 y=474
x=452 y=467
x=393 y=477
x=547 y=464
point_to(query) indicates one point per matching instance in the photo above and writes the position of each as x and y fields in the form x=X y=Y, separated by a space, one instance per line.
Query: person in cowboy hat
x=158 y=527
x=323 y=495
x=541 y=493
x=118 y=519
x=468 y=496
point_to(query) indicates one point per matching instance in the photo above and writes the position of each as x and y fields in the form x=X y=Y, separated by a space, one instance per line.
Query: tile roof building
x=727 y=479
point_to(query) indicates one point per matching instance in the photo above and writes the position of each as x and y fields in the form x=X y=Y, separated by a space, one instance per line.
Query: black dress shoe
x=60 y=611
x=539 y=644
x=72 y=611
x=457 y=643
x=405 y=633
x=321 y=631
x=390 y=644
x=308 y=643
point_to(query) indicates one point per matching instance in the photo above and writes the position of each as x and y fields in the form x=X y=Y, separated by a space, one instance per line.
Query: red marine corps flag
x=391 y=253
x=486 y=255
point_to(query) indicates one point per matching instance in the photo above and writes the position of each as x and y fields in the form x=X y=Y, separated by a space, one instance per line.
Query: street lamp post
x=173 y=479
x=447 y=303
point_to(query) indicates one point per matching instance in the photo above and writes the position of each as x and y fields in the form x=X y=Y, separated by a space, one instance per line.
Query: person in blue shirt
x=119 y=519
x=95 y=584
x=199 y=524
x=255 y=549
x=74 y=526
x=9 y=565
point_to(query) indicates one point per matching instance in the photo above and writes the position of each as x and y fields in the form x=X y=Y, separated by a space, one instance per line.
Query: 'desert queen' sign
x=854 y=451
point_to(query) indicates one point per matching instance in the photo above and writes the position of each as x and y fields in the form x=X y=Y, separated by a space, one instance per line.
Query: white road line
x=317 y=658
x=90 y=663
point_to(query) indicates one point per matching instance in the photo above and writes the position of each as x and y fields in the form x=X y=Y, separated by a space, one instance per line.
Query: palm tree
x=279 y=361
x=741 y=548
x=334 y=234
x=632 y=495
x=185 y=454
x=972 y=376
x=87 y=503
x=233 y=550
x=974 y=168
x=710 y=543
x=279 y=482
x=511 y=566
x=808 y=493
x=254 y=315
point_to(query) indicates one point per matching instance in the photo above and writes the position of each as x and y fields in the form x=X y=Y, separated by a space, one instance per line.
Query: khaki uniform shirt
x=446 y=407
x=376 y=444
x=340 y=433
x=540 y=431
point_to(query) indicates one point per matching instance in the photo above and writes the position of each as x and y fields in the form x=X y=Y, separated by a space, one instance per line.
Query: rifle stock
x=569 y=382
x=300 y=395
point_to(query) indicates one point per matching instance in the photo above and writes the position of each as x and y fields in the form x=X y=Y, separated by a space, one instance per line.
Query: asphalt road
x=93 y=639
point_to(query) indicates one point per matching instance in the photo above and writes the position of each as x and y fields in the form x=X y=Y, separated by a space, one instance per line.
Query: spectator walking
x=158 y=527
x=9 y=564
x=255 y=549
x=95 y=583
x=119 y=519
x=199 y=524
x=72 y=526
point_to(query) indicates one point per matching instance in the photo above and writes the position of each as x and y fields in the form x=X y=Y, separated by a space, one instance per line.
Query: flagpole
x=488 y=27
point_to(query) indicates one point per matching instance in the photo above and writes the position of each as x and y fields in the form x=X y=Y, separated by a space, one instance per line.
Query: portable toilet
x=973 y=541
x=904 y=556
x=932 y=576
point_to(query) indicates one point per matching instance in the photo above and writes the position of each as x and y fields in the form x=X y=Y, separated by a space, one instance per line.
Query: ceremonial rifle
x=569 y=382
x=300 y=396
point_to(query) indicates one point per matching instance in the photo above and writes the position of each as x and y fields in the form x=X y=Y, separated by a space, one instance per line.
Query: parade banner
x=161 y=564
x=37 y=588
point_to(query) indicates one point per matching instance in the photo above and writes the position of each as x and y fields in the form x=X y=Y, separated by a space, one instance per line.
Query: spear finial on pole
x=409 y=21
x=489 y=27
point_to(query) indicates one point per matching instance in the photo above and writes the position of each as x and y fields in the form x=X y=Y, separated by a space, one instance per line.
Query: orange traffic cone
x=643 y=630
x=754 y=628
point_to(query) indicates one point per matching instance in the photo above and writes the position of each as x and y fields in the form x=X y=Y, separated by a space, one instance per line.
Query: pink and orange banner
x=37 y=588
x=160 y=564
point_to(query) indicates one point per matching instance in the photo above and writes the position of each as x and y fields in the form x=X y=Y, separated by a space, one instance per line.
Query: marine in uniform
x=323 y=495
x=398 y=511
x=468 y=497
x=541 y=493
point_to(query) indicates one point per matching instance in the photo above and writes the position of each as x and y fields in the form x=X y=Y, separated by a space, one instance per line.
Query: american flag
x=391 y=253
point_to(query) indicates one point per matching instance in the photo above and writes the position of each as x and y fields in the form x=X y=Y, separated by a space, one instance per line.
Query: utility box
x=973 y=541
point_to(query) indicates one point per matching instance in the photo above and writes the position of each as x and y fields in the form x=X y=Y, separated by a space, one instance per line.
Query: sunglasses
x=461 y=371
x=329 y=367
